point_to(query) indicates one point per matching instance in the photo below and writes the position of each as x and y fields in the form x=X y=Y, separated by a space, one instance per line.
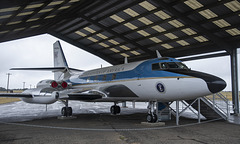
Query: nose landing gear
x=115 y=109
x=152 y=116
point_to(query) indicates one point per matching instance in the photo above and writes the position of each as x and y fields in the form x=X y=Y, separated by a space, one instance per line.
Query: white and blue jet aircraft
x=163 y=79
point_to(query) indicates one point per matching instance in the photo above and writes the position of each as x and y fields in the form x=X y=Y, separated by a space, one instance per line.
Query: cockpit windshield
x=168 y=65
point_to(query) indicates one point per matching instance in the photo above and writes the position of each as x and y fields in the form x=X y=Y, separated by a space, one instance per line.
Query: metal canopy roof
x=114 y=29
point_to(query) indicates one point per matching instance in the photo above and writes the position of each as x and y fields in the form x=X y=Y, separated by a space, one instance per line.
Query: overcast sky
x=37 y=51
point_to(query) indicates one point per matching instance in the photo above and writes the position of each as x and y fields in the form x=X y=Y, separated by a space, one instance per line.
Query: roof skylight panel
x=233 y=5
x=117 y=18
x=135 y=52
x=12 y=23
x=171 y=35
x=167 y=46
x=145 y=21
x=161 y=14
x=201 y=39
x=101 y=36
x=55 y=3
x=131 y=12
x=176 y=23
x=208 y=14
x=194 y=4
x=221 y=23
x=64 y=7
x=144 y=33
x=74 y=1
x=92 y=39
x=50 y=16
x=113 y=42
x=114 y=50
x=3 y=32
x=148 y=6
x=233 y=31
x=5 y=16
x=81 y=33
x=103 y=44
x=33 y=19
x=35 y=26
x=131 y=26
x=33 y=6
x=182 y=42
x=188 y=31
x=45 y=10
x=9 y=9
x=124 y=47
x=125 y=55
x=25 y=13
x=18 y=29
x=158 y=28
x=155 y=39
x=89 y=30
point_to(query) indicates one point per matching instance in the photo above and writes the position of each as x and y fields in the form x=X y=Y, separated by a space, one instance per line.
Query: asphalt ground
x=119 y=129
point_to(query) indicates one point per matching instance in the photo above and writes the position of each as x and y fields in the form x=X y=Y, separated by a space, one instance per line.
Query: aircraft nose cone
x=216 y=85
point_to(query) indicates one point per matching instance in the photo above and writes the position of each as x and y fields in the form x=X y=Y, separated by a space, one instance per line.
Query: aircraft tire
x=155 y=117
x=115 y=109
x=118 y=109
x=69 y=111
x=152 y=118
x=64 y=111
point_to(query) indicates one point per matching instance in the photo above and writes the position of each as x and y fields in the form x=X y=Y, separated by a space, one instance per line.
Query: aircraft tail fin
x=61 y=70
x=60 y=61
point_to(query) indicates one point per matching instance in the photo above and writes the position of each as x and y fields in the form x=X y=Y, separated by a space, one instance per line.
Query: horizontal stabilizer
x=48 y=69
x=83 y=96
x=16 y=95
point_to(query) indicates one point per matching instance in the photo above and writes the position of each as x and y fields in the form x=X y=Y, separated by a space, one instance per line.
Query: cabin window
x=168 y=65
x=114 y=76
x=155 y=66
x=96 y=78
x=88 y=79
x=104 y=77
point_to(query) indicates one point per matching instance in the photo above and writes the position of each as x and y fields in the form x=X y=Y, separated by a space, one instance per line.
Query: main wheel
x=69 y=111
x=113 y=110
x=152 y=118
x=64 y=111
x=149 y=118
x=155 y=117
x=118 y=109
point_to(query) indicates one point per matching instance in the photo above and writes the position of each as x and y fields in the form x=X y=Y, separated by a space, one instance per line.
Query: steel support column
x=177 y=112
x=234 y=75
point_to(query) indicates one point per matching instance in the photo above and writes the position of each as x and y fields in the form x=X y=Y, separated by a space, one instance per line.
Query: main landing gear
x=152 y=116
x=115 y=109
x=66 y=111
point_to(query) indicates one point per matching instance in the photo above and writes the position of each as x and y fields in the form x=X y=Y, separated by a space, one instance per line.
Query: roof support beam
x=216 y=40
x=117 y=35
x=79 y=45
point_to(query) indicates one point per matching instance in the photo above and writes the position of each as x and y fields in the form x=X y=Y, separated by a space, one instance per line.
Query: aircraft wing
x=83 y=96
x=16 y=95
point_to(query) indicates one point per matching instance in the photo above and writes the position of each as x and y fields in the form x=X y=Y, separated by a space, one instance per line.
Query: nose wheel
x=115 y=109
x=152 y=116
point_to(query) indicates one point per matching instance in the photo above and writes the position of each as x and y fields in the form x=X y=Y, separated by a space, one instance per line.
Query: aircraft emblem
x=160 y=87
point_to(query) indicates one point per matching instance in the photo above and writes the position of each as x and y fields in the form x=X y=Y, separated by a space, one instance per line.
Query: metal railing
x=219 y=103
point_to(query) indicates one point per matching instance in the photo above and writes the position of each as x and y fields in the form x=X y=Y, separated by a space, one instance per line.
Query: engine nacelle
x=42 y=96
x=47 y=84
x=52 y=84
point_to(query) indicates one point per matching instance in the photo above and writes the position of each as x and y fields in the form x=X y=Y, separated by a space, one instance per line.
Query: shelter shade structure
x=115 y=29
